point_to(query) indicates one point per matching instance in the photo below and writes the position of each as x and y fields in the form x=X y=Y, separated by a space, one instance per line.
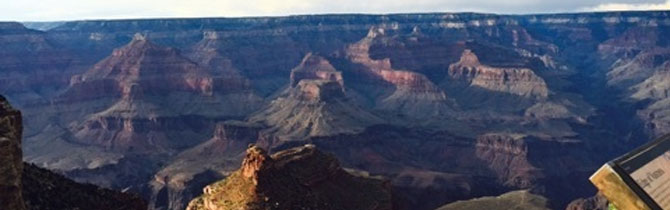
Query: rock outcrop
x=298 y=178
x=597 y=202
x=317 y=105
x=655 y=91
x=182 y=180
x=517 y=81
x=517 y=200
x=508 y=157
x=314 y=67
x=627 y=72
x=522 y=161
x=11 y=157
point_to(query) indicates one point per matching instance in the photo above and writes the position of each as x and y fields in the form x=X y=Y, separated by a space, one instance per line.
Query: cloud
x=50 y=10
x=624 y=7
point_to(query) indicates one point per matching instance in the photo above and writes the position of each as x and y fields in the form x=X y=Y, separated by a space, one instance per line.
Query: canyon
x=446 y=107
x=26 y=186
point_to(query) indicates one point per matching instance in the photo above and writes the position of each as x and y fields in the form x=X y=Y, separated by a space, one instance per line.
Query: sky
x=59 y=10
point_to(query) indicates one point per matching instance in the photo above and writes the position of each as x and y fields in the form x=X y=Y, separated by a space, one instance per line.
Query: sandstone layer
x=517 y=81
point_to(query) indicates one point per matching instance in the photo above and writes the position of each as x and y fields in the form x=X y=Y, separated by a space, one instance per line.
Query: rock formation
x=152 y=90
x=226 y=78
x=182 y=180
x=11 y=162
x=32 y=68
x=627 y=72
x=655 y=89
x=316 y=105
x=521 y=161
x=517 y=200
x=413 y=94
x=517 y=81
x=315 y=67
x=297 y=178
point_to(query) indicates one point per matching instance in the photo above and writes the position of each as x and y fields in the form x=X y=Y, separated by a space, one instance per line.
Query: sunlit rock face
x=412 y=93
x=517 y=81
x=183 y=179
x=302 y=177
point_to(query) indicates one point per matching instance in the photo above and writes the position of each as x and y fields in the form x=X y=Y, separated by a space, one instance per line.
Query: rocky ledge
x=297 y=178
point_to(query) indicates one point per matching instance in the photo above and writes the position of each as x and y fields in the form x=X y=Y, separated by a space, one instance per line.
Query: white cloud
x=623 y=7
x=49 y=10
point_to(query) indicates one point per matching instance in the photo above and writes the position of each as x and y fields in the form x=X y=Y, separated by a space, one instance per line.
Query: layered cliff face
x=11 y=164
x=523 y=162
x=412 y=94
x=131 y=77
x=316 y=104
x=139 y=63
x=640 y=71
x=297 y=178
x=642 y=36
x=33 y=69
x=630 y=71
x=152 y=90
x=226 y=78
x=518 y=81
x=507 y=156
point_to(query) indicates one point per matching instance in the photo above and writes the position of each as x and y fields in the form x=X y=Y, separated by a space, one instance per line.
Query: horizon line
x=336 y=14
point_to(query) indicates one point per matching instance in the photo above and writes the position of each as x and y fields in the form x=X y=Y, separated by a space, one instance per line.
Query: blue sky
x=53 y=10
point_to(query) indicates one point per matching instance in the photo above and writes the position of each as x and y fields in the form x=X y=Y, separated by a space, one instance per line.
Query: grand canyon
x=376 y=112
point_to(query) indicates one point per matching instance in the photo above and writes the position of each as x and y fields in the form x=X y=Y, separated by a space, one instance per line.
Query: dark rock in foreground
x=11 y=165
x=45 y=190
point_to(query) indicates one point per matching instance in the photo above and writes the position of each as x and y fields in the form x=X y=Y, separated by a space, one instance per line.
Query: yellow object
x=612 y=186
